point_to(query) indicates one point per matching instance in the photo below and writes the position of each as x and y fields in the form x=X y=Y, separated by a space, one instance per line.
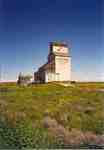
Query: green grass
x=60 y=102
x=80 y=106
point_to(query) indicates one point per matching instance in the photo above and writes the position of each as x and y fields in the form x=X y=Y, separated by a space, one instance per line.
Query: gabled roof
x=59 y=44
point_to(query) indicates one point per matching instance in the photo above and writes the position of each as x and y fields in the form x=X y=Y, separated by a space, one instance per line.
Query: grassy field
x=80 y=107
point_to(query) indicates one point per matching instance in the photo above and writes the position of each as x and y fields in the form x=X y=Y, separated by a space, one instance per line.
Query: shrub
x=23 y=135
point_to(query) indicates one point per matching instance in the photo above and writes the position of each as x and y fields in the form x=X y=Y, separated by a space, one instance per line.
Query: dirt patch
x=73 y=137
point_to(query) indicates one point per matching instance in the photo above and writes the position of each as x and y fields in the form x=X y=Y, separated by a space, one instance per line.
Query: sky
x=28 y=26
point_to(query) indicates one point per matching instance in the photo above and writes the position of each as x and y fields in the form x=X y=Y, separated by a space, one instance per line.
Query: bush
x=23 y=135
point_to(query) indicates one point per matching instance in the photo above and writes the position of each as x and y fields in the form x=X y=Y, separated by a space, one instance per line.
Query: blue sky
x=27 y=27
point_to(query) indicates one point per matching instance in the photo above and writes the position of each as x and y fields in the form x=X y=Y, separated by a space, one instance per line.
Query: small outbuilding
x=24 y=79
